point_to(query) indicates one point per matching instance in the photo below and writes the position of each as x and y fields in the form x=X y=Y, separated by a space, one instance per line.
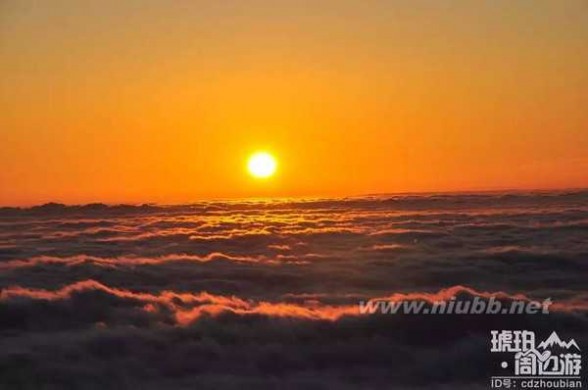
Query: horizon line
x=299 y=197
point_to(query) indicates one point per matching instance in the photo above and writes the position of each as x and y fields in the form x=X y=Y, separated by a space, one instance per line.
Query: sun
x=261 y=165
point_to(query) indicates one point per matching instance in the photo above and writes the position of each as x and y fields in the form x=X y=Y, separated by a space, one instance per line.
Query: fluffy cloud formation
x=266 y=294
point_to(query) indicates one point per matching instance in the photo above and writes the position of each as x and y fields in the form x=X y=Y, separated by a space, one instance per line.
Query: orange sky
x=157 y=101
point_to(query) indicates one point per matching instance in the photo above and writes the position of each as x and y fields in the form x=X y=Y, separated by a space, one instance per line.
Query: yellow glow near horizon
x=261 y=165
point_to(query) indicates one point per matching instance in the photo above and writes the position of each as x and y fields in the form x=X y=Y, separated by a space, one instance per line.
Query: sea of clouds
x=265 y=294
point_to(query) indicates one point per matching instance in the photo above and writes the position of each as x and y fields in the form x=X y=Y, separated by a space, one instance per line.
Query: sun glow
x=261 y=165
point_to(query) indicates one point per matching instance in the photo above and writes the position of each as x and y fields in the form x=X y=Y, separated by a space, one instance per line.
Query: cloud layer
x=226 y=294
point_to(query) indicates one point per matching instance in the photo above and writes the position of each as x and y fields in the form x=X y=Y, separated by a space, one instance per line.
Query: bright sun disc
x=262 y=165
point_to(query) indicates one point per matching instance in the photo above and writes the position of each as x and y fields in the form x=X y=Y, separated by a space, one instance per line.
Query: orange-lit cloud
x=187 y=308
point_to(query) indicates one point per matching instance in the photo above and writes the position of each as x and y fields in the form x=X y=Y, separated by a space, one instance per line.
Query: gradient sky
x=162 y=101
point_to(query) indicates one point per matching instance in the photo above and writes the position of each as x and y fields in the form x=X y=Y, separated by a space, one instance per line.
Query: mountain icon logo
x=554 y=339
